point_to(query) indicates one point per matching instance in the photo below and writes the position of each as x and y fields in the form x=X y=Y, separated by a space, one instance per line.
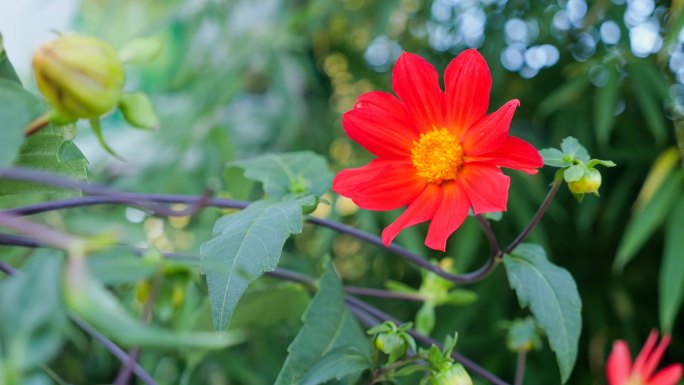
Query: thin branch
x=520 y=367
x=386 y=294
x=134 y=354
x=537 y=216
x=491 y=238
x=114 y=349
x=142 y=200
x=56 y=238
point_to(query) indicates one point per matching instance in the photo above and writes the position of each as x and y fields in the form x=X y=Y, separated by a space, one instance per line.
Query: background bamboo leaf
x=671 y=279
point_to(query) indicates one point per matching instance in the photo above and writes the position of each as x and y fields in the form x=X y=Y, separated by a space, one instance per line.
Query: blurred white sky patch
x=25 y=24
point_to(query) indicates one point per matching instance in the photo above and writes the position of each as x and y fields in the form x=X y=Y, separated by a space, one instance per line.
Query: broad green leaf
x=6 y=69
x=87 y=298
x=117 y=267
x=245 y=245
x=551 y=294
x=264 y=307
x=292 y=173
x=327 y=326
x=49 y=150
x=554 y=157
x=605 y=99
x=572 y=147
x=646 y=220
x=18 y=108
x=336 y=365
x=671 y=282
x=33 y=318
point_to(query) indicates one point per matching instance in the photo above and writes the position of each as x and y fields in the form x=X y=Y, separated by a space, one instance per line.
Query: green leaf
x=554 y=157
x=645 y=221
x=328 y=325
x=605 y=99
x=245 y=245
x=49 y=150
x=292 y=173
x=86 y=297
x=573 y=173
x=141 y=50
x=336 y=365
x=671 y=282
x=138 y=111
x=18 y=108
x=6 y=69
x=572 y=147
x=551 y=294
x=263 y=307
x=650 y=102
x=33 y=318
x=605 y=163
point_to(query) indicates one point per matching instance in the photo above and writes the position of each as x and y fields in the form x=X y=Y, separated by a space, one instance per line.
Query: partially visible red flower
x=621 y=371
x=437 y=151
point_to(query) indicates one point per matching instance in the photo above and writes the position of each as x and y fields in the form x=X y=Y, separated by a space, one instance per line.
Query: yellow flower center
x=437 y=156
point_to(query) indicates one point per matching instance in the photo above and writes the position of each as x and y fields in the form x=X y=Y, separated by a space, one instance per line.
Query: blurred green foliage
x=239 y=78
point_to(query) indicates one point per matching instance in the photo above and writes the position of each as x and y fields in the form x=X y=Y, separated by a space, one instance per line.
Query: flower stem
x=36 y=124
x=537 y=216
x=147 y=201
x=520 y=367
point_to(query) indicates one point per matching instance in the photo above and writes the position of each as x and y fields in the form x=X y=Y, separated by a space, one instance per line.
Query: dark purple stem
x=537 y=216
x=109 y=196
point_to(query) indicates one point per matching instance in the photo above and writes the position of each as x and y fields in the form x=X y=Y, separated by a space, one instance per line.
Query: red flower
x=621 y=371
x=437 y=151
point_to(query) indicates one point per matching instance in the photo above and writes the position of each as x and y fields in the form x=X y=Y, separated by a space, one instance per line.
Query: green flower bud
x=588 y=183
x=453 y=374
x=80 y=76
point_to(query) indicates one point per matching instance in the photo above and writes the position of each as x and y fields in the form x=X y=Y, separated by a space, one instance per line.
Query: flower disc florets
x=437 y=156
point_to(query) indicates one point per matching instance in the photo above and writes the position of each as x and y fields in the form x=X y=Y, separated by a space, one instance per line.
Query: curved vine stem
x=104 y=195
x=537 y=216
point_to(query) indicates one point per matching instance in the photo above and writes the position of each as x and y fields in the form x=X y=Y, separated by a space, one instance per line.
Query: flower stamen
x=437 y=156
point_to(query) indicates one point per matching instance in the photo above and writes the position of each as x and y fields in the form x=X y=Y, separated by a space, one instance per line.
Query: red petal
x=379 y=123
x=668 y=376
x=467 y=82
x=619 y=364
x=516 y=154
x=420 y=210
x=449 y=216
x=380 y=185
x=645 y=352
x=654 y=358
x=416 y=83
x=486 y=186
x=489 y=133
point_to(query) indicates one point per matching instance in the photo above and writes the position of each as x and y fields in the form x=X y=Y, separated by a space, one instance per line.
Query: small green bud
x=588 y=183
x=452 y=374
x=138 y=111
x=80 y=76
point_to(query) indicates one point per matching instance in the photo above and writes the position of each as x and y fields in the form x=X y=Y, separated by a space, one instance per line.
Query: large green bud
x=80 y=76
